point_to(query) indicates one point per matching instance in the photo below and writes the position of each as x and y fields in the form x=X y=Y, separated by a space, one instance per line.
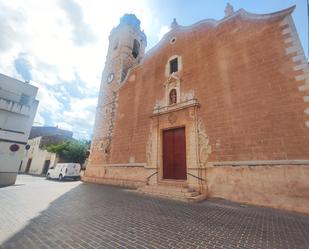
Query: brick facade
x=242 y=90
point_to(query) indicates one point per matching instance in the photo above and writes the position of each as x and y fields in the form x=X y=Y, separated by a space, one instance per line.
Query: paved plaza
x=37 y=213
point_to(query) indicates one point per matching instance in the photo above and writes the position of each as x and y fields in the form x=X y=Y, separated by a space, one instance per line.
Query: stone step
x=173 y=184
x=192 y=194
x=183 y=194
x=169 y=192
x=197 y=198
x=169 y=188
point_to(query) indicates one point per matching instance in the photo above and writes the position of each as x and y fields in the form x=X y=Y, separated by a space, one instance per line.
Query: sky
x=60 y=45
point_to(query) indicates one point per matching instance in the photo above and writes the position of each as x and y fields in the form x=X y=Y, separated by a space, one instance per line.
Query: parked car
x=64 y=170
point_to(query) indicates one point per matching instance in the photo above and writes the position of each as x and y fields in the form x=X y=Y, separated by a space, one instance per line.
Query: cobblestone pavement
x=51 y=214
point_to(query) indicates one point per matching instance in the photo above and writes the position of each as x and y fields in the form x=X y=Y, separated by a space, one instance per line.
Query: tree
x=74 y=151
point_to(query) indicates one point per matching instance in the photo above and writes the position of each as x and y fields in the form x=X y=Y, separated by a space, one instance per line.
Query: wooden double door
x=174 y=154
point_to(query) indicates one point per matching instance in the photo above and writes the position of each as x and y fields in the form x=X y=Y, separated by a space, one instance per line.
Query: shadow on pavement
x=97 y=216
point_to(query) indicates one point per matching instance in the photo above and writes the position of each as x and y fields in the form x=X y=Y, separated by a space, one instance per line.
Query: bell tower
x=126 y=48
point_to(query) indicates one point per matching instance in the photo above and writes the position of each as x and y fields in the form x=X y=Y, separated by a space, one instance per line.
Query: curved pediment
x=215 y=23
x=212 y=24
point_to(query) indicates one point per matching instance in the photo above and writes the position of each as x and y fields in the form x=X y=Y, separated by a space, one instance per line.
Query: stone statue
x=174 y=24
x=229 y=10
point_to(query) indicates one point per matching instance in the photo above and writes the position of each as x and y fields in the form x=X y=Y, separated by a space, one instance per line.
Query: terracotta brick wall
x=242 y=77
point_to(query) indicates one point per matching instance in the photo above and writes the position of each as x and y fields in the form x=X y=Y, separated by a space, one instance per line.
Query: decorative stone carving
x=203 y=142
x=174 y=24
x=172 y=90
x=188 y=96
x=191 y=114
x=149 y=147
x=186 y=100
x=172 y=118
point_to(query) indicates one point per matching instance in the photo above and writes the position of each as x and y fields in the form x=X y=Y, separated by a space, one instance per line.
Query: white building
x=17 y=111
x=37 y=159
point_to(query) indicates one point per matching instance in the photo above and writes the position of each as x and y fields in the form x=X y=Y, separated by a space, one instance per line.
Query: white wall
x=16 y=119
x=38 y=157
x=10 y=160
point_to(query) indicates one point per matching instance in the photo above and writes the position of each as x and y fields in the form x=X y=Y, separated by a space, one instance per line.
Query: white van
x=64 y=170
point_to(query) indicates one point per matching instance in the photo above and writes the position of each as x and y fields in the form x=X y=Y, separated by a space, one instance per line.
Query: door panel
x=45 y=167
x=180 y=169
x=174 y=154
x=168 y=155
x=28 y=165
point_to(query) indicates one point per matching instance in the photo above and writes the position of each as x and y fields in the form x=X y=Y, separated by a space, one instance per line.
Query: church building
x=215 y=109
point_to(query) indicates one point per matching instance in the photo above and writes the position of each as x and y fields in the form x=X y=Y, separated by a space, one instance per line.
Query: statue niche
x=173 y=96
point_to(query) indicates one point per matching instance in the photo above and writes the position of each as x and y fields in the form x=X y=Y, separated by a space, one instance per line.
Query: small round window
x=173 y=40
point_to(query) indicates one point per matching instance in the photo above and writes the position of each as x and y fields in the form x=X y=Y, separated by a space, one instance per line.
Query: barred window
x=174 y=65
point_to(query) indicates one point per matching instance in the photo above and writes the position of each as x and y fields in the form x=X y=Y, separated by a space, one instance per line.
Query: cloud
x=61 y=46
x=163 y=30
x=48 y=103
x=80 y=116
x=82 y=33
x=9 y=29
x=39 y=120
x=23 y=66
x=65 y=126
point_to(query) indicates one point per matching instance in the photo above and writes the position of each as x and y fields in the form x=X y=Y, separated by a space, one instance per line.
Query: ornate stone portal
x=181 y=112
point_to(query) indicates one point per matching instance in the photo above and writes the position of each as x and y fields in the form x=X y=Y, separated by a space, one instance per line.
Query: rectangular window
x=24 y=99
x=174 y=65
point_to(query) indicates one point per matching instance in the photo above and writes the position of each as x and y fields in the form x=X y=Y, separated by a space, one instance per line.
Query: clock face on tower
x=110 y=77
